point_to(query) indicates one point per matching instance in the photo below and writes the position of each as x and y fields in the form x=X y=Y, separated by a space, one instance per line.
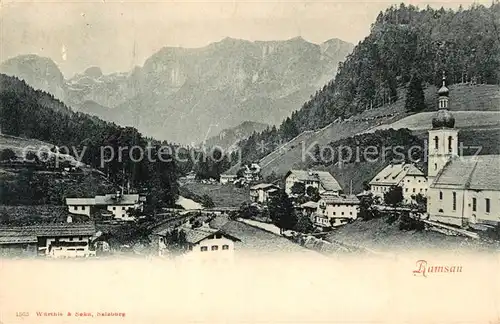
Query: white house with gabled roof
x=118 y=204
x=336 y=210
x=412 y=180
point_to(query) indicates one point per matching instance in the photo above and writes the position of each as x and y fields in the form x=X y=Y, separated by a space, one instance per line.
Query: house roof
x=392 y=174
x=109 y=199
x=195 y=235
x=264 y=186
x=52 y=230
x=228 y=175
x=480 y=172
x=80 y=201
x=310 y=204
x=341 y=200
x=327 y=181
x=16 y=238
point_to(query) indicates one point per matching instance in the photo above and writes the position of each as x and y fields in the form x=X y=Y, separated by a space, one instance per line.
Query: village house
x=117 y=204
x=262 y=192
x=322 y=180
x=16 y=244
x=52 y=240
x=335 y=210
x=463 y=190
x=408 y=176
x=309 y=209
x=252 y=173
x=201 y=242
x=227 y=178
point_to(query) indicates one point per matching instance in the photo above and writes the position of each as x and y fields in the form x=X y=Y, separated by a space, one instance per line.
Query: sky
x=80 y=34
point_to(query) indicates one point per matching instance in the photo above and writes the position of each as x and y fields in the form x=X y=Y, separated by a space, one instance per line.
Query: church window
x=435 y=166
x=487 y=205
x=454 y=201
x=440 y=195
x=436 y=142
x=474 y=204
x=450 y=139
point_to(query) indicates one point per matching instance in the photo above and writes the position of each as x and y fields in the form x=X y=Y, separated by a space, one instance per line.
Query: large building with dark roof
x=53 y=240
x=321 y=180
x=463 y=190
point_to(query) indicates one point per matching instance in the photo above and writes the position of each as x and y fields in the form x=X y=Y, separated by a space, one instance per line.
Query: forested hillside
x=405 y=43
x=30 y=113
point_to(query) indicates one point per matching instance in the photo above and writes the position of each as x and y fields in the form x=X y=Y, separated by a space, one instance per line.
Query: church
x=463 y=190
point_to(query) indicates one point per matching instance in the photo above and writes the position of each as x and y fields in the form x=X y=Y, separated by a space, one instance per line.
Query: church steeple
x=443 y=118
x=443 y=137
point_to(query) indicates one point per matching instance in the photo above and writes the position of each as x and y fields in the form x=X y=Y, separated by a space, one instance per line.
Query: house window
x=334 y=213
x=190 y=248
x=204 y=249
x=80 y=238
x=413 y=189
x=350 y=213
x=123 y=208
x=454 y=201
x=71 y=239
x=215 y=247
x=218 y=236
x=342 y=213
x=436 y=142
x=83 y=207
x=75 y=207
x=225 y=247
x=450 y=139
x=474 y=204
x=114 y=208
x=406 y=189
x=487 y=205
x=440 y=195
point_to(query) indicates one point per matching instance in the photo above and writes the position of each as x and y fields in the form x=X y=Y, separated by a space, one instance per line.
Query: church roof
x=481 y=172
x=393 y=174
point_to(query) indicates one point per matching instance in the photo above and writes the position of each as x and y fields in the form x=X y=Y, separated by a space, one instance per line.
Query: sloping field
x=17 y=143
x=380 y=235
x=294 y=155
x=463 y=119
x=465 y=97
x=21 y=146
x=222 y=195
x=474 y=105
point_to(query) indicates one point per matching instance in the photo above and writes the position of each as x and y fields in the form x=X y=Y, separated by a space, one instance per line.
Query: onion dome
x=444 y=91
x=443 y=119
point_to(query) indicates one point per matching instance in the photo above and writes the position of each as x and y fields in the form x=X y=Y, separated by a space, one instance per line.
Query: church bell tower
x=443 y=137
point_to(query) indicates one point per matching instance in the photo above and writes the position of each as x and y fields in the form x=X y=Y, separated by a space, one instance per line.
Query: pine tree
x=415 y=99
x=282 y=212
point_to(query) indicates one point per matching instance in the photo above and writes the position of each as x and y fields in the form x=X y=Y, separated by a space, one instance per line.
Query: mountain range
x=188 y=95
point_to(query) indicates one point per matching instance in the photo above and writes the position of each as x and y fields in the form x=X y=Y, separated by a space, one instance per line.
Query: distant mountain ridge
x=229 y=138
x=188 y=94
